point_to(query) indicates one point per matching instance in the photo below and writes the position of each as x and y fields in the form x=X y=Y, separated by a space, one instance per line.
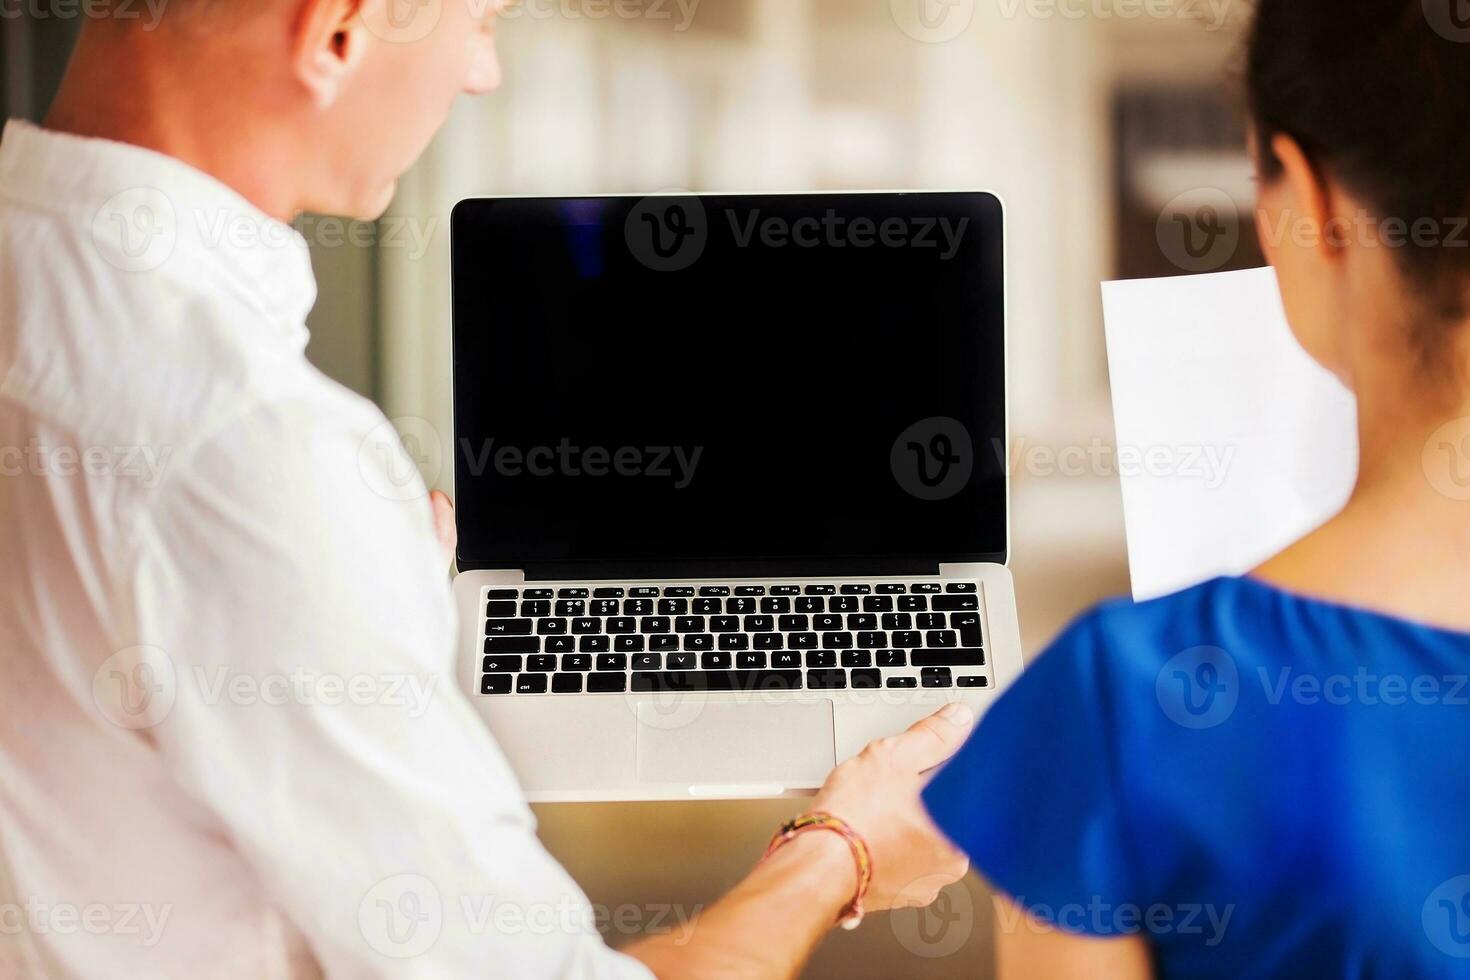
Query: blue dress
x=1262 y=785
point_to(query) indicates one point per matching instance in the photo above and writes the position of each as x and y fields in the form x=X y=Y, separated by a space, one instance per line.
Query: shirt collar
x=152 y=214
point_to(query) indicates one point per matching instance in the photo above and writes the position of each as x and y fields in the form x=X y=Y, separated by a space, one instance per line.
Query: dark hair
x=1377 y=93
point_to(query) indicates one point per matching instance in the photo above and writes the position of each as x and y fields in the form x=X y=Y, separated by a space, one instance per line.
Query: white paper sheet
x=1232 y=441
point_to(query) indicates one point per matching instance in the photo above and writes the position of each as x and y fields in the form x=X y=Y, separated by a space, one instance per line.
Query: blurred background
x=1098 y=121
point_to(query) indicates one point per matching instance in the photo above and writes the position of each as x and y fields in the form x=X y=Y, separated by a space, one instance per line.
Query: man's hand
x=444 y=530
x=877 y=793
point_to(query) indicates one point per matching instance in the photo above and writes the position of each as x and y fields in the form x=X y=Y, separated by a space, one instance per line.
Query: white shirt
x=230 y=740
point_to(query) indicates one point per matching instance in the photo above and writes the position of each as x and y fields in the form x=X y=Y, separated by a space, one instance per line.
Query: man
x=209 y=619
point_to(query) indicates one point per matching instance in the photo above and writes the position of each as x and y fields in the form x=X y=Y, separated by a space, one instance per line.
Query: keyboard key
x=759 y=624
x=776 y=605
x=500 y=664
x=709 y=590
x=595 y=644
x=683 y=661
x=571 y=593
x=908 y=639
x=607 y=592
x=843 y=603
x=638 y=607
x=622 y=624
x=576 y=661
x=786 y=659
x=968 y=624
x=891 y=588
x=542 y=663
x=603 y=607
x=913 y=603
x=502 y=594
x=903 y=682
x=821 y=658
x=785 y=590
x=706 y=607
x=793 y=623
x=559 y=644
x=878 y=603
x=663 y=641
x=941 y=638
x=654 y=624
x=719 y=680
x=866 y=679
x=801 y=641
x=547 y=626
x=629 y=644
x=531 y=684
x=949 y=603
x=892 y=658
x=750 y=590
x=768 y=641
x=536 y=594
x=811 y=604
x=960 y=587
x=826 y=621
x=739 y=606
x=925 y=587
x=898 y=621
x=586 y=624
x=698 y=641
x=512 y=644
x=566 y=683
x=734 y=641
x=857 y=658
x=535 y=607
x=499 y=610
x=680 y=591
x=820 y=590
x=715 y=661
x=963 y=657
x=935 y=677
x=612 y=661
x=856 y=589
x=495 y=684
x=571 y=607
x=644 y=592
x=647 y=661
x=861 y=621
x=673 y=607
x=689 y=624
x=507 y=627
x=606 y=683
x=837 y=641
x=974 y=681
x=724 y=624
x=830 y=680
x=930 y=621
x=750 y=661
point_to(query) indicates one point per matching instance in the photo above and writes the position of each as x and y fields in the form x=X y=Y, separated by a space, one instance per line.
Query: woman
x=1270 y=775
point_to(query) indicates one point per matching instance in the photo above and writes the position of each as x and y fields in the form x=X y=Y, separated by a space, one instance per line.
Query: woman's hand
x=877 y=793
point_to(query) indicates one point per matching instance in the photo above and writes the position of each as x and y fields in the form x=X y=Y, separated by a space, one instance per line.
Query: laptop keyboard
x=747 y=638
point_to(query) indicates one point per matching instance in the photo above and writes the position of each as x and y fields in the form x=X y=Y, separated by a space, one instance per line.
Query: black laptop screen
x=752 y=377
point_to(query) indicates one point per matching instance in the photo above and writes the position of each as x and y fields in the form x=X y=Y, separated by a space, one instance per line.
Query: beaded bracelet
x=852 y=914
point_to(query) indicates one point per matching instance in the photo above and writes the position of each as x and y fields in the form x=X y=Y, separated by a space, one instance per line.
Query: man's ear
x=328 y=39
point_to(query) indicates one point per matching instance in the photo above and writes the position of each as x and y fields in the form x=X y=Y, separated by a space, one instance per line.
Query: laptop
x=730 y=478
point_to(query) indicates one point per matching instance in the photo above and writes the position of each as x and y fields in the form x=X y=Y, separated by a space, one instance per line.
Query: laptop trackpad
x=722 y=742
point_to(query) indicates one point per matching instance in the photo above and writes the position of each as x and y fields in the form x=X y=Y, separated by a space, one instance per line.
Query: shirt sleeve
x=300 y=614
x=1033 y=796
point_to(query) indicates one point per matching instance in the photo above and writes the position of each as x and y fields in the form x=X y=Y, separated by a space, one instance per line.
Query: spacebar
x=717 y=680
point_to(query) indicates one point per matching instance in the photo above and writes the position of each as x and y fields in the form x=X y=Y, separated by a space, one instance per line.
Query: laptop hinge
x=752 y=568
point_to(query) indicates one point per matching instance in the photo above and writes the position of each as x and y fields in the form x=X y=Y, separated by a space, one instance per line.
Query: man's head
x=299 y=104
